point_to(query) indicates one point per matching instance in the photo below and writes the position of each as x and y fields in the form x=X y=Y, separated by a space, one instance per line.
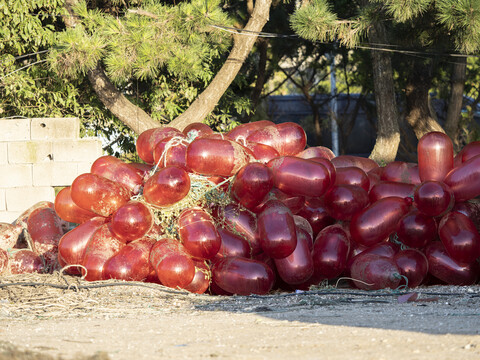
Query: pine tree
x=173 y=49
x=422 y=25
x=29 y=88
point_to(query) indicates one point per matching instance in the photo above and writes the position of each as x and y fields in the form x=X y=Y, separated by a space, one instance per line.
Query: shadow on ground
x=433 y=309
x=436 y=310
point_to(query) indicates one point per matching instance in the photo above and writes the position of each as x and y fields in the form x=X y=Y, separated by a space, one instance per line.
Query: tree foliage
x=457 y=20
x=422 y=37
x=160 y=55
x=29 y=88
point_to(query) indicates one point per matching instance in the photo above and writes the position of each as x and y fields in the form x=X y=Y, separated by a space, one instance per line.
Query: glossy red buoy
x=316 y=152
x=352 y=175
x=197 y=129
x=72 y=245
x=172 y=263
x=131 y=221
x=242 y=131
x=131 y=263
x=67 y=210
x=413 y=264
x=401 y=172
x=363 y=163
x=171 y=151
x=241 y=222
x=377 y=221
x=261 y=152
x=434 y=198
x=330 y=252
x=301 y=177
x=45 y=229
x=216 y=157
x=316 y=214
x=276 y=230
x=435 y=156
x=416 y=230
x=385 y=189
x=242 y=276
x=167 y=186
x=232 y=244
x=198 y=233
x=147 y=141
x=101 y=247
x=297 y=267
x=202 y=279
x=118 y=171
x=98 y=194
x=460 y=237
x=374 y=272
x=464 y=180
x=444 y=268
x=251 y=184
x=287 y=138
x=344 y=201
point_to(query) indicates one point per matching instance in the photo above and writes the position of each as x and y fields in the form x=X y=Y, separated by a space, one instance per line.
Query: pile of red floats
x=283 y=217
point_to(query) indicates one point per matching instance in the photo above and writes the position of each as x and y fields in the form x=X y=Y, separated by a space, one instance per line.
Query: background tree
x=154 y=41
x=147 y=61
x=157 y=57
x=29 y=88
x=427 y=26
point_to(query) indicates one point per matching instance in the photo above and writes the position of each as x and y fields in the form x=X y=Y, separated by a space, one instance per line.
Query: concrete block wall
x=37 y=155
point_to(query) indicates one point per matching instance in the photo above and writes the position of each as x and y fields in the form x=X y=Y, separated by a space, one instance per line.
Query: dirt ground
x=62 y=317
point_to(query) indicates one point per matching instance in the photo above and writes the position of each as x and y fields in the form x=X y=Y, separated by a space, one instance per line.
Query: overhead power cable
x=369 y=46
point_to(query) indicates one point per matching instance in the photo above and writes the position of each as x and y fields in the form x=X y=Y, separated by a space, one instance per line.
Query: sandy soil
x=134 y=321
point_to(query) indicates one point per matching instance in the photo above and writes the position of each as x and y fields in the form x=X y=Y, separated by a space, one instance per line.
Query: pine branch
x=131 y=115
x=462 y=18
x=404 y=10
x=208 y=99
x=143 y=13
x=317 y=22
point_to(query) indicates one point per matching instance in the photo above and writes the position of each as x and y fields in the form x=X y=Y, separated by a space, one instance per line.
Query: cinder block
x=3 y=152
x=84 y=167
x=21 y=198
x=14 y=129
x=30 y=152
x=55 y=128
x=54 y=174
x=3 y=202
x=9 y=216
x=87 y=149
x=15 y=175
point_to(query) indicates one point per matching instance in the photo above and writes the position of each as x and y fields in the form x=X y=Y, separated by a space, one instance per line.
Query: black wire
x=366 y=46
x=258 y=33
x=31 y=54
x=304 y=293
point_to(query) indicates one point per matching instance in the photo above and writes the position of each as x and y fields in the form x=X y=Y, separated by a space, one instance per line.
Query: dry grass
x=37 y=296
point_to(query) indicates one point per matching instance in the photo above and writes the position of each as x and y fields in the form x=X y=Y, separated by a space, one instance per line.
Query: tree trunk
x=418 y=114
x=388 y=132
x=113 y=99
x=138 y=120
x=261 y=76
x=127 y=112
x=208 y=99
x=317 y=129
x=459 y=74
